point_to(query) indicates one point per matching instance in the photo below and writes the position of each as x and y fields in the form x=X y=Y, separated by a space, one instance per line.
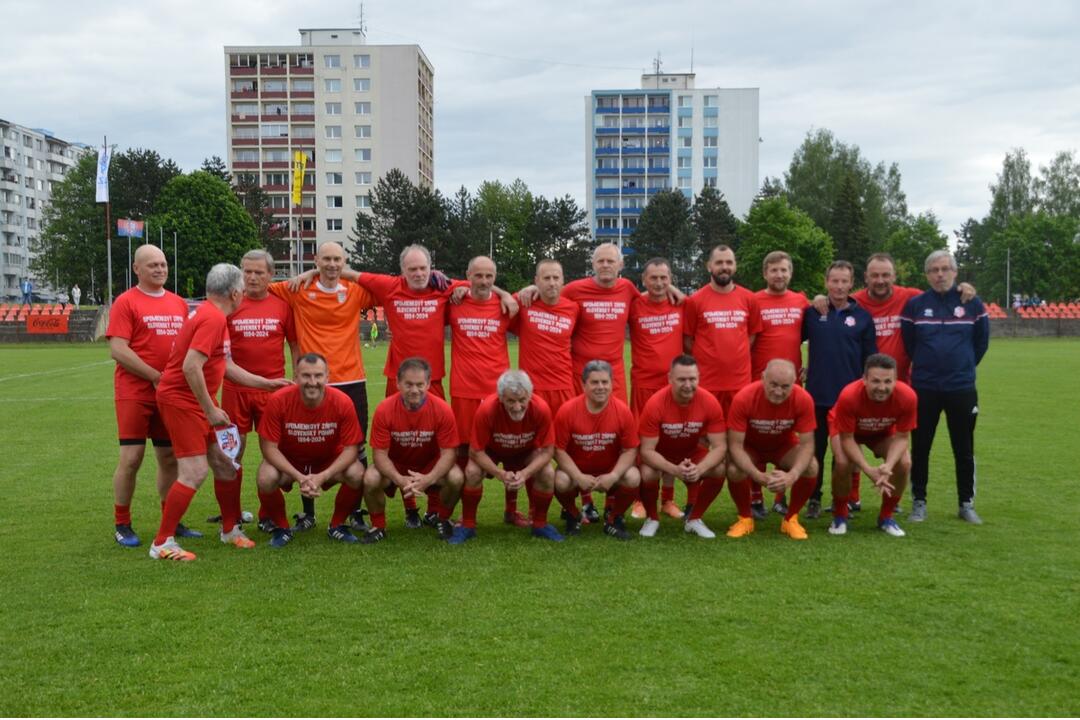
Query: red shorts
x=555 y=398
x=464 y=414
x=137 y=420
x=189 y=430
x=391 y=488
x=435 y=389
x=774 y=456
x=725 y=397
x=638 y=398
x=245 y=407
x=513 y=462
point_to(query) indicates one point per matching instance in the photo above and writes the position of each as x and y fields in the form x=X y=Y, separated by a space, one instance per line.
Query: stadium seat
x=36 y=310
x=67 y=310
x=58 y=309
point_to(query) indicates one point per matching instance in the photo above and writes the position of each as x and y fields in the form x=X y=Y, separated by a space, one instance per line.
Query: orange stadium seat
x=58 y=309
x=36 y=310
x=67 y=310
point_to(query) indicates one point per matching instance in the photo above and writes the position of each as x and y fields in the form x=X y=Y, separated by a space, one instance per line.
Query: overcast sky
x=943 y=89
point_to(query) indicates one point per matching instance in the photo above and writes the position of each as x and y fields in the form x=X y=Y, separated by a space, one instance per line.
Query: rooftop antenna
x=691 y=53
x=360 y=18
x=657 y=64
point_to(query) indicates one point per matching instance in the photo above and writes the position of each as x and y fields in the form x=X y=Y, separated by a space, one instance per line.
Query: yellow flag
x=299 y=163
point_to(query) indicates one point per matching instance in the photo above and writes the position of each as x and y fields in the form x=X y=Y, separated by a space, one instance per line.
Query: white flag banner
x=103 y=174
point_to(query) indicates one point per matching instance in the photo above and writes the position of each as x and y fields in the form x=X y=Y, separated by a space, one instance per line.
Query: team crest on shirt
x=341 y=297
x=928 y=312
x=958 y=311
x=849 y=321
x=312 y=295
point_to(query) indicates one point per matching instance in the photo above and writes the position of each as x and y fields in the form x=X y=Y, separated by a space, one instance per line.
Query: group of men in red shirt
x=696 y=411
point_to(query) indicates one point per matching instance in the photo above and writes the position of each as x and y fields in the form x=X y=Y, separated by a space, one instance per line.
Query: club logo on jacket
x=958 y=312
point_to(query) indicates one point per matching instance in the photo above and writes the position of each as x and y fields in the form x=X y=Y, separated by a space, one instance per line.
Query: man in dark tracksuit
x=839 y=343
x=945 y=339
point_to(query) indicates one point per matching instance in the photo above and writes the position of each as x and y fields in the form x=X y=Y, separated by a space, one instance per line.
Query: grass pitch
x=951 y=620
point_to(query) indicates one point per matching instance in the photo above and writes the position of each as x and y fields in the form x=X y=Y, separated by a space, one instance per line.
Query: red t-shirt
x=207 y=332
x=413 y=438
x=656 y=338
x=258 y=331
x=544 y=333
x=601 y=326
x=682 y=429
x=478 y=353
x=770 y=427
x=497 y=434
x=886 y=316
x=781 y=330
x=721 y=325
x=595 y=441
x=416 y=321
x=854 y=412
x=149 y=323
x=310 y=436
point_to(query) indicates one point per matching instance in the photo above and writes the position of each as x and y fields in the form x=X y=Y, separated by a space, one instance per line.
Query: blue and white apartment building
x=668 y=134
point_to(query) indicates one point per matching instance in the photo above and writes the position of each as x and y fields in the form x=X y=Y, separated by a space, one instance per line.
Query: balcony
x=631 y=211
x=272 y=94
x=271 y=165
x=303 y=141
x=244 y=94
x=607 y=171
x=660 y=130
x=606 y=151
x=606 y=211
x=632 y=131
x=607 y=131
x=241 y=71
x=275 y=141
x=298 y=70
x=607 y=110
x=275 y=188
x=245 y=141
x=302 y=94
x=607 y=232
x=274 y=71
x=307 y=233
x=274 y=117
x=607 y=191
x=633 y=111
x=659 y=149
x=633 y=191
x=660 y=170
x=245 y=165
x=660 y=109
x=633 y=150
x=252 y=118
x=301 y=118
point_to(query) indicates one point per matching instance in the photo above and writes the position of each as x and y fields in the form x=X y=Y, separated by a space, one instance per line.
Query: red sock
x=609 y=501
x=470 y=500
x=434 y=502
x=586 y=498
x=620 y=498
x=378 y=520
x=779 y=497
x=122 y=514
x=855 y=477
x=740 y=493
x=510 y=501
x=648 y=499
x=173 y=509
x=800 y=493
x=227 y=493
x=888 y=506
x=408 y=502
x=568 y=500
x=710 y=488
x=667 y=493
x=273 y=504
x=344 y=503
x=445 y=511
x=692 y=490
x=755 y=494
x=839 y=506
x=541 y=501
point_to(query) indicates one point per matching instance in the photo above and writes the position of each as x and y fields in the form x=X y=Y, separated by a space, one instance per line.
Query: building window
x=276 y=156
x=684 y=182
x=246 y=156
x=277 y=178
x=333 y=132
x=332 y=85
x=361 y=84
x=686 y=142
x=711 y=100
x=362 y=108
x=710 y=182
x=332 y=61
x=303 y=109
x=709 y=141
x=361 y=61
x=362 y=131
x=685 y=122
x=362 y=155
x=303 y=131
x=686 y=101
x=363 y=201
x=334 y=201
x=710 y=162
x=333 y=224
x=333 y=178
x=279 y=202
x=333 y=156
x=684 y=163
x=273 y=86
x=363 y=178
x=274 y=130
x=333 y=108
x=245 y=109
x=303 y=86
x=712 y=121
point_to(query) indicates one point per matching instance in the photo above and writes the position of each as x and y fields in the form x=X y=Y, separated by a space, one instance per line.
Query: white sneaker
x=649 y=528
x=237 y=538
x=838 y=526
x=697 y=527
x=170 y=550
x=889 y=527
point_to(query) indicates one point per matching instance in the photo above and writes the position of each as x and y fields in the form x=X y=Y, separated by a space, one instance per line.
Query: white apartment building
x=33 y=160
x=356 y=110
x=667 y=134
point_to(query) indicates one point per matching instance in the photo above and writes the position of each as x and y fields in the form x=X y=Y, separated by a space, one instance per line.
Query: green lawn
x=952 y=620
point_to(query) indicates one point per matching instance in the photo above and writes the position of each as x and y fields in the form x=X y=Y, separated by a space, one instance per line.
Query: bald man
x=143 y=322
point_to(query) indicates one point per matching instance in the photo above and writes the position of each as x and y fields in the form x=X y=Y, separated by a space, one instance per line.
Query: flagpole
x=108 y=230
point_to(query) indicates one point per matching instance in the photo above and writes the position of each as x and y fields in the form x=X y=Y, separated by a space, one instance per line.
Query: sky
x=943 y=89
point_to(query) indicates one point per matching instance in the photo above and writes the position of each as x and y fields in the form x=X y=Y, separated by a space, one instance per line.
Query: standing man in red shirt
x=258 y=333
x=414 y=446
x=880 y=412
x=772 y=421
x=596 y=444
x=143 y=322
x=309 y=435
x=656 y=339
x=682 y=434
x=722 y=322
x=512 y=428
x=780 y=337
x=186 y=398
